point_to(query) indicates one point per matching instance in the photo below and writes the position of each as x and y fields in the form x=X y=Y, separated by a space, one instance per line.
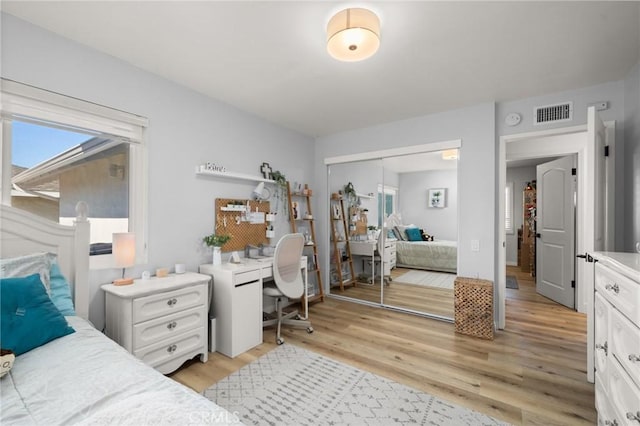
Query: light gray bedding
x=85 y=378
x=438 y=255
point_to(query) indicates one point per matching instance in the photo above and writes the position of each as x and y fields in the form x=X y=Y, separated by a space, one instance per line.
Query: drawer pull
x=613 y=288
x=172 y=348
x=634 y=358
x=172 y=302
x=604 y=347
x=635 y=416
x=613 y=422
x=172 y=325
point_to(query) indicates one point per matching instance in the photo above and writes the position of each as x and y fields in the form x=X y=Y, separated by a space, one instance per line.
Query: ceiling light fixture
x=450 y=154
x=353 y=35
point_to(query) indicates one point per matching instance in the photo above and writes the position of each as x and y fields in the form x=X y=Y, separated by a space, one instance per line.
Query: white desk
x=368 y=248
x=237 y=301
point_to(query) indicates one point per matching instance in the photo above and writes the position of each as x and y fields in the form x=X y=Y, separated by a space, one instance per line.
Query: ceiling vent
x=553 y=113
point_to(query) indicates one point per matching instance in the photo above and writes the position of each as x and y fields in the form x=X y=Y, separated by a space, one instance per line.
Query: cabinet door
x=246 y=317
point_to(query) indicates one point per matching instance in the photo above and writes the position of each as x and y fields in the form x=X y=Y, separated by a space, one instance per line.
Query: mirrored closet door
x=400 y=244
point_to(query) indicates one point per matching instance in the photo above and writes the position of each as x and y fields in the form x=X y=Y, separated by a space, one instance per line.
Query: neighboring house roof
x=50 y=186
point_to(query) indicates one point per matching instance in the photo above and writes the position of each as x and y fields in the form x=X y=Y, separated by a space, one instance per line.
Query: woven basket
x=474 y=307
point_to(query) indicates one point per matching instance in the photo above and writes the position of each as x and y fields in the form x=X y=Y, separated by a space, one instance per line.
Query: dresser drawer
x=157 y=305
x=152 y=331
x=606 y=414
x=602 y=310
x=625 y=344
x=173 y=349
x=623 y=393
x=622 y=292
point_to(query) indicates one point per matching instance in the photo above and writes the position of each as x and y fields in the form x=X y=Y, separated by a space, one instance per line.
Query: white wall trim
x=394 y=152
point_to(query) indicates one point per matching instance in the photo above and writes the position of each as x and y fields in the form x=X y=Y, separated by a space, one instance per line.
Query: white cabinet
x=389 y=256
x=617 y=338
x=162 y=321
x=237 y=301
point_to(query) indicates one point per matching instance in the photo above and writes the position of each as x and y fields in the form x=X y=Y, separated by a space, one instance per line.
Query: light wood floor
x=436 y=301
x=533 y=373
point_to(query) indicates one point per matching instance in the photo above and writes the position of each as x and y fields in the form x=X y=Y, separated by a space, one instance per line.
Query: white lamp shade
x=124 y=249
x=353 y=35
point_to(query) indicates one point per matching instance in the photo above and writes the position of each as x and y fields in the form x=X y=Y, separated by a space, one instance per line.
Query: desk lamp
x=124 y=253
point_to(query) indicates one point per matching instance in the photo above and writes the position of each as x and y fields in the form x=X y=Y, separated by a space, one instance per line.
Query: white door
x=555 y=227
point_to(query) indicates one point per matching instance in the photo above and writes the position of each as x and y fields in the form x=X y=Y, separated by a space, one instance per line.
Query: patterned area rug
x=428 y=278
x=293 y=386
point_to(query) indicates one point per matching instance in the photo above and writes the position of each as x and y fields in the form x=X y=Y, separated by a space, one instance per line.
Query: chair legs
x=290 y=318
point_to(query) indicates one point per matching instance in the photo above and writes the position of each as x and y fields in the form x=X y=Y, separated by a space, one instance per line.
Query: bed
x=84 y=377
x=438 y=255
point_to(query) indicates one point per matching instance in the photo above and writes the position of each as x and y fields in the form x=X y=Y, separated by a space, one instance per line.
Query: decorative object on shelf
x=162 y=272
x=213 y=167
x=216 y=241
x=281 y=189
x=350 y=195
x=353 y=35
x=180 y=268
x=437 y=198
x=266 y=170
x=124 y=253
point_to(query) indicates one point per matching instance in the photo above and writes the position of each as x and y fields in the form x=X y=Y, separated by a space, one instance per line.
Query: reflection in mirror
x=354 y=216
x=394 y=231
x=421 y=220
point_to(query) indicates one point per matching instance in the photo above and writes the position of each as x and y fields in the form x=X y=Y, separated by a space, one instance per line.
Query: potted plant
x=350 y=195
x=216 y=241
x=281 y=189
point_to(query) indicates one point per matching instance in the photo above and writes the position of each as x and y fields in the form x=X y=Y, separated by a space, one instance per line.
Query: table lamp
x=124 y=253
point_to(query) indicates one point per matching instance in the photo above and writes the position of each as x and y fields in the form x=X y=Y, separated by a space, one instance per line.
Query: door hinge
x=606 y=150
x=574 y=171
x=573 y=284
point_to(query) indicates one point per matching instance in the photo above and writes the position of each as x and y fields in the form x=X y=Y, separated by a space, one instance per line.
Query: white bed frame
x=23 y=233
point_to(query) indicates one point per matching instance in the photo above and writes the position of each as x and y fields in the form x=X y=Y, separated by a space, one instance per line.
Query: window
x=57 y=151
x=389 y=205
x=508 y=208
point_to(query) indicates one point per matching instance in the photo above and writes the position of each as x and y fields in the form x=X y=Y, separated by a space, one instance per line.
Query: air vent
x=553 y=113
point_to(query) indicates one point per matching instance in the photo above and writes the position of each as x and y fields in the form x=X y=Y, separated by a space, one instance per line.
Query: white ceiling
x=269 y=58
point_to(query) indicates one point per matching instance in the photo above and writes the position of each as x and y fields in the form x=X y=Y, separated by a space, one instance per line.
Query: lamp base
x=123 y=281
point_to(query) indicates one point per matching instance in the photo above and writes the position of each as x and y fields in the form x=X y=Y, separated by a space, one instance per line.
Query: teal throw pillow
x=60 y=291
x=28 y=317
x=413 y=234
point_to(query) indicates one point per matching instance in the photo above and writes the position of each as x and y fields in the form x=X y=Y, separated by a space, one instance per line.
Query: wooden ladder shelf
x=341 y=269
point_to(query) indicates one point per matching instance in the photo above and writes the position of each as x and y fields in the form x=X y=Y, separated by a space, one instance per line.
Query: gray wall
x=632 y=159
x=186 y=129
x=519 y=176
x=441 y=223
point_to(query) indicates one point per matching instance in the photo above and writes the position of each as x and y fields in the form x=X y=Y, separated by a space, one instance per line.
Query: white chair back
x=286 y=265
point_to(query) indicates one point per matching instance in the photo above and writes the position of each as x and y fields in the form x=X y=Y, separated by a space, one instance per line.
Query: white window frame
x=387 y=190
x=28 y=103
x=508 y=208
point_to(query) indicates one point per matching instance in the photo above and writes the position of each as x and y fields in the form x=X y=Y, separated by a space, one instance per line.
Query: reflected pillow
x=413 y=234
x=28 y=317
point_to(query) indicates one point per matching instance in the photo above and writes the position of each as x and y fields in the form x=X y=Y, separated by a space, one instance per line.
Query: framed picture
x=437 y=198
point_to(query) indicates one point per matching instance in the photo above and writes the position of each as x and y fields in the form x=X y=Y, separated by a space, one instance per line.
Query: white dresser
x=617 y=338
x=162 y=321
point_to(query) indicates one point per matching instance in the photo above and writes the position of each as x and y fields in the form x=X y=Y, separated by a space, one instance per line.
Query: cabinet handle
x=172 y=325
x=613 y=288
x=634 y=358
x=172 y=302
x=635 y=416
x=613 y=422
x=172 y=348
x=603 y=347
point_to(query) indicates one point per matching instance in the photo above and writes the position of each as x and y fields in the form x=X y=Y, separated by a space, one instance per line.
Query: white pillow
x=37 y=263
x=401 y=229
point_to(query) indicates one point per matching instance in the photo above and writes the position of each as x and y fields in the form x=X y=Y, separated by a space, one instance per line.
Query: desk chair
x=287 y=277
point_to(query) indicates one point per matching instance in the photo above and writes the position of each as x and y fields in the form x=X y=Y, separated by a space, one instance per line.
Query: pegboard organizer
x=228 y=220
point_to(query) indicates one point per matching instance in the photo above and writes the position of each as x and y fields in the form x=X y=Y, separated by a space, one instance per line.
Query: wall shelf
x=365 y=196
x=232 y=175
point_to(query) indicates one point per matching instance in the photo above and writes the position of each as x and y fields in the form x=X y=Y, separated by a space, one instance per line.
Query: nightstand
x=162 y=321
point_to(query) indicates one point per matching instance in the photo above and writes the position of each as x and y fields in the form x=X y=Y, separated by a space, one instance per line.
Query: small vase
x=217 y=256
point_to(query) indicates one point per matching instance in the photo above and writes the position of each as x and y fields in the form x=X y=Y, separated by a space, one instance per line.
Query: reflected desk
x=368 y=248
x=237 y=302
